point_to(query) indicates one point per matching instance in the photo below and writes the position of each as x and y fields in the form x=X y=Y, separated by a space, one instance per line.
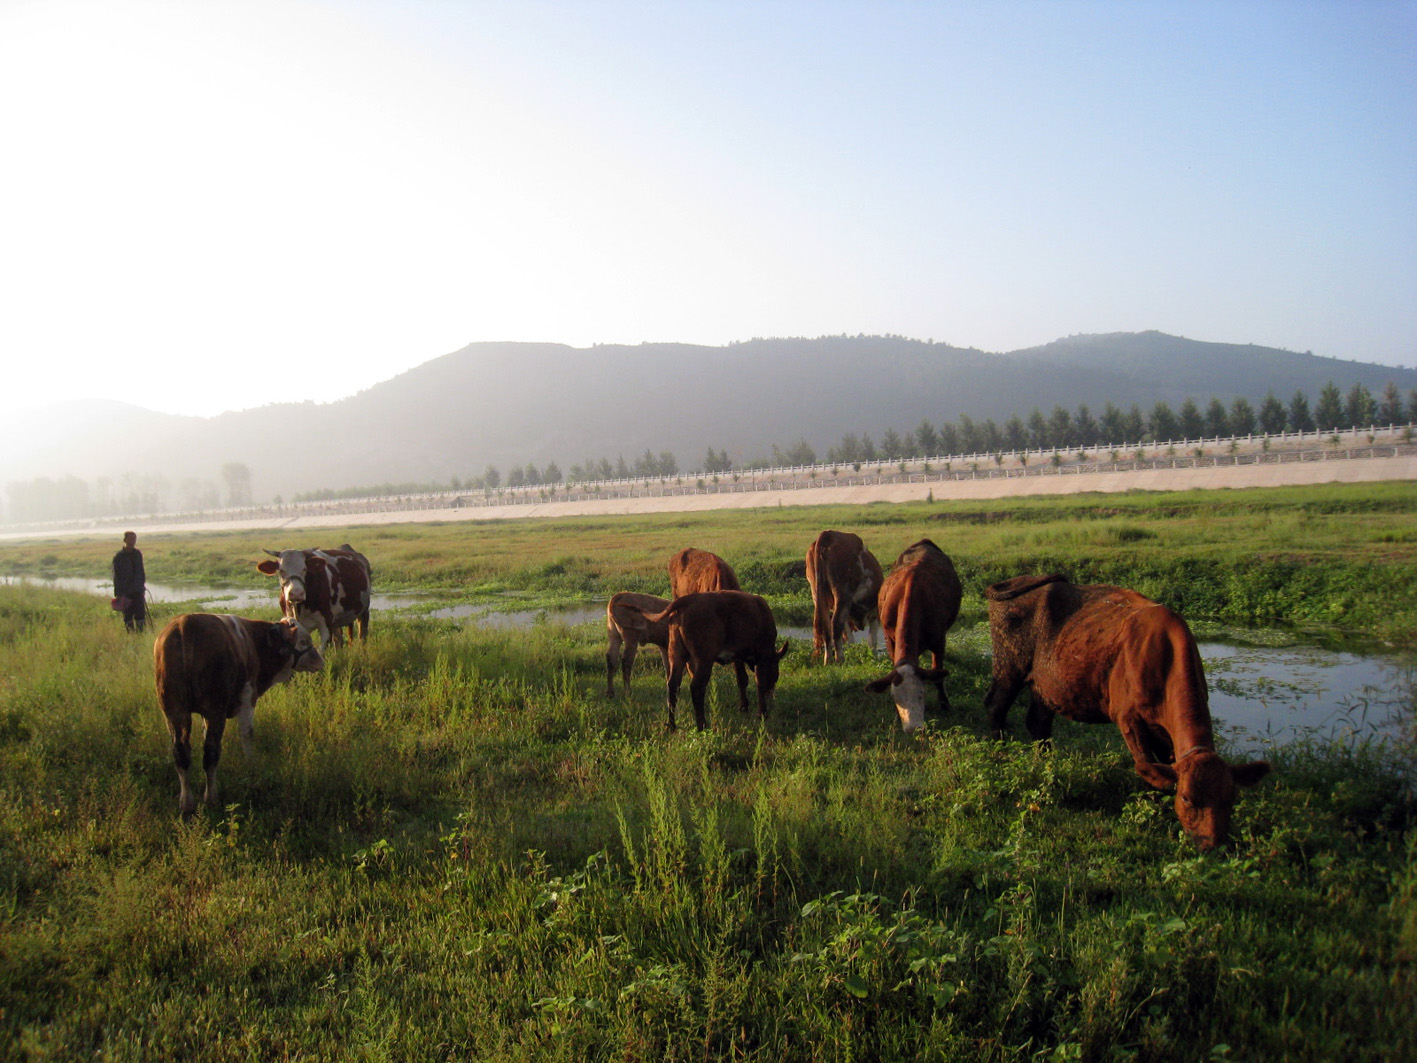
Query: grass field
x=451 y=846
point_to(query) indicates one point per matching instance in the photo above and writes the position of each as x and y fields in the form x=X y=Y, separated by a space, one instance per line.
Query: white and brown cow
x=216 y=666
x=324 y=590
x=918 y=602
x=626 y=629
x=844 y=578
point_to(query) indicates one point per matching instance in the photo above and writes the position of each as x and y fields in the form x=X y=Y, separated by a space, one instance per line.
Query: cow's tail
x=821 y=600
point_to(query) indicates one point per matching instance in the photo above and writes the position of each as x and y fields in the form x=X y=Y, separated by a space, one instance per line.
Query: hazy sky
x=216 y=205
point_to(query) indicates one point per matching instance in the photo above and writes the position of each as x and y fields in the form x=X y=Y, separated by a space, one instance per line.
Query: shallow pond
x=1260 y=695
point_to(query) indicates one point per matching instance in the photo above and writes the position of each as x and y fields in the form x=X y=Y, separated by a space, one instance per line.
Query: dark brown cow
x=692 y=571
x=324 y=590
x=717 y=627
x=844 y=578
x=1100 y=654
x=624 y=641
x=918 y=602
x=216 y=666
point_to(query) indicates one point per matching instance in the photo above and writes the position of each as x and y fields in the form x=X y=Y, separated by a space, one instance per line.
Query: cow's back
x=693 y=571
x=732 y=619
x=198 y=658
x=920 y=596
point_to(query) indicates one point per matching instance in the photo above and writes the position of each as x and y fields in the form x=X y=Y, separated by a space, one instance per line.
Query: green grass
x=451 y=846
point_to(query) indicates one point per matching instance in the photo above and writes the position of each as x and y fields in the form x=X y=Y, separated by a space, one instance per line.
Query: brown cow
x=918 y=602
x=692 y=571
x=844 y=578
x=624 y=641
x=326 y=590
x=1099 y=654
x=713 y=627
x=217 y=666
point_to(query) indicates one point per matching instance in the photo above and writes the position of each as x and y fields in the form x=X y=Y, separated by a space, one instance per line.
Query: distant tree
x=1162 y=424
x=1390 y=405
x=891 y=445
x=1190 y=421
x=1242 y=417
x=1133 y=424
x=622 y=470
x=516 y=477
x=949 y=438
x=1110 y=424
x=551 y=474
x=1086 y=430
x=1217 y=420
x=238 y=483
x=868 y=448
x=1060 y=428
x=1037 y=430
x=491 y=478
x=800 y=453
x=717 y=462
x=1328 y=414
x=927 y=440
x=1015 y=433
x=1359 y=409
x=1272 y=415
x=1412 y=405
x=969 y=440
x=1298 y=418
x=666 y=464
x=990 y=438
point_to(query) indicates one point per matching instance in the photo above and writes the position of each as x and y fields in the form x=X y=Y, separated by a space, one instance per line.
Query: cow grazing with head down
x=692 y=571
x=918 y=602
x=625 y=630
x=1099 y=654
x=216 y=666
x=844 y=578
x=324 y=590
x=717 y=627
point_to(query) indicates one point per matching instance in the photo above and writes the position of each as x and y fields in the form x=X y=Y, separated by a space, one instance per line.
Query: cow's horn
x=273 y=553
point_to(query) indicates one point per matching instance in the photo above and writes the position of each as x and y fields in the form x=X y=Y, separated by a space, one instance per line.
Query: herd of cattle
x=1092 y=653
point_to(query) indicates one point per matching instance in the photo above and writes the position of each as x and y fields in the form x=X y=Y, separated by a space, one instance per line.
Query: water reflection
x=199 y=596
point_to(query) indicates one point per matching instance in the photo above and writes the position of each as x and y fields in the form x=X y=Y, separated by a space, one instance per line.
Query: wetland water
x=1260 y=695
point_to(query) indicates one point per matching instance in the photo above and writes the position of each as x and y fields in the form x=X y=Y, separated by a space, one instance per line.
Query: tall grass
x=450 y=845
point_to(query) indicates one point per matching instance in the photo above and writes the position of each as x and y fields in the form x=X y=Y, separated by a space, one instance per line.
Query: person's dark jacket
x=129 y=579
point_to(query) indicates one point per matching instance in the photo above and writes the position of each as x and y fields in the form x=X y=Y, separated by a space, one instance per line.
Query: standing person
x=130 y=583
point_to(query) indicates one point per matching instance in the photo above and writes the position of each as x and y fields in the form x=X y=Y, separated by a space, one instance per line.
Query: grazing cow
x=692 y=571
x=216 y=666
x=326 y=590
x=918 y=602
x=625 y=631
x=716 y=627
x=1100 y=654
x=844 y=578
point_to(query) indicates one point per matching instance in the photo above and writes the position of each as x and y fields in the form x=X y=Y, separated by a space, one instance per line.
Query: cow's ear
x=1162 y=776
x=277 y=639
x=783 y=652
x=315 y=564
x=1251 y=773
x=270 y=568
x=880 y=686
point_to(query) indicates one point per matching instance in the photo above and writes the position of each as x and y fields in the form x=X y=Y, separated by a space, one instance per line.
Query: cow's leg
x=938 y=657
x=1002 y=692
x=363 y=626
x=841 y=619
x=740 y=672
x=671 y=683
x=246 y=721
x=179 y=725
x=211 y=755
x=627 y=663
x=764 y=696
x=698 y=687
x=612 y=662
x=1039 y=719
x=1139 y=742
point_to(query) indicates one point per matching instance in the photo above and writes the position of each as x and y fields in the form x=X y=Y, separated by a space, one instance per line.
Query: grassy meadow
x=451 y=845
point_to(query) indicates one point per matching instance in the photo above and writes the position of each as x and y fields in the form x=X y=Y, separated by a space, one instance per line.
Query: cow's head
x=294 y=568
x=1206 y=788
x=906 y=682
x=767 y=668
x=289 y=639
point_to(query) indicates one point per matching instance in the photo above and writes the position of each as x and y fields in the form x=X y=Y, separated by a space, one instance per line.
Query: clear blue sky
x=209 y=206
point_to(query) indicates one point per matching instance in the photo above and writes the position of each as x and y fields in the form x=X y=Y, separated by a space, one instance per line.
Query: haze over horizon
x=216 y=206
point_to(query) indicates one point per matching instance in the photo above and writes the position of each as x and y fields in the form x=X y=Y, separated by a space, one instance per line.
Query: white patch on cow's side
x=246 y=720
x=909 y=696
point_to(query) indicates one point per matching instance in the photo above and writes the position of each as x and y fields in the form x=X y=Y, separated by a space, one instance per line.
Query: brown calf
x=216 y=666
x=625 y=631
x=918 y=602
x=844 y=578
x=1099 y=654
x=718 y=627
x=692 y=571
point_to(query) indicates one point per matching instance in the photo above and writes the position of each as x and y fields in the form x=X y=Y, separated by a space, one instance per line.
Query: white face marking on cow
x=292 y=574
x=909 y=696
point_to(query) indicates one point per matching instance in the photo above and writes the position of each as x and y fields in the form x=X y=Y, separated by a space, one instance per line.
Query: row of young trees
x=1063 y=429
x=72 y=498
